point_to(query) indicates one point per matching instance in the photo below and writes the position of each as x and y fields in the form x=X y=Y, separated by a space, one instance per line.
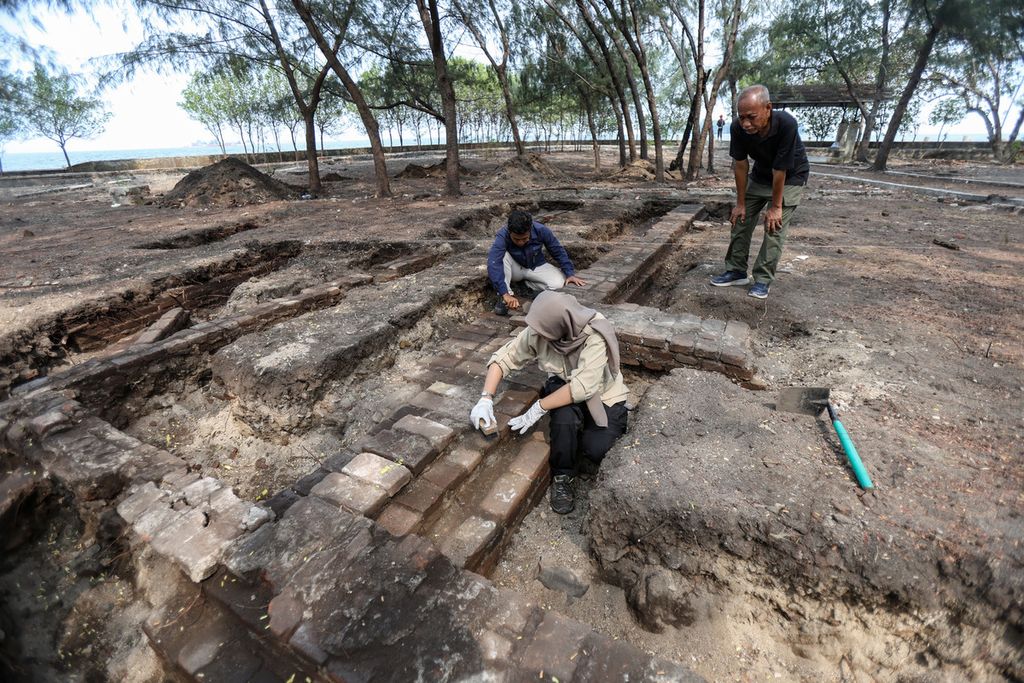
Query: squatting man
x=517 y=255
x=584 y=393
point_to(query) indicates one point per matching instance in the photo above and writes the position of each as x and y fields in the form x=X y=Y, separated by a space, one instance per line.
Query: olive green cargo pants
x=758 y=196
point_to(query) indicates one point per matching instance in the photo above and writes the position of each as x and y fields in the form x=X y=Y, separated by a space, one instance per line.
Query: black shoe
x=563 y=496
x=501 y=308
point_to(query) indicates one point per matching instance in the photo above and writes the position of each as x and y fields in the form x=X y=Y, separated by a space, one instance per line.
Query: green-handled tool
x=811 y=401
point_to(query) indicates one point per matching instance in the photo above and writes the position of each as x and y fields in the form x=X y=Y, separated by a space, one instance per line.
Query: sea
x=42 y=161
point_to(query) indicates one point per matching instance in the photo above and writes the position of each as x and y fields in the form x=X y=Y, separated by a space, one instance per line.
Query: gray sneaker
x=563 y=495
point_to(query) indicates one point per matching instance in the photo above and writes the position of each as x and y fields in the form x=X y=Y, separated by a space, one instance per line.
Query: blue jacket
x=529 y=256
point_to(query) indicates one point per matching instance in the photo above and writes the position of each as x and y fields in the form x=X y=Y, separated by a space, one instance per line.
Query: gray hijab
x=560 y=319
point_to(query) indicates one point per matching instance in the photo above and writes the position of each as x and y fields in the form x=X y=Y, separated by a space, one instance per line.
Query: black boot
x=563 y=496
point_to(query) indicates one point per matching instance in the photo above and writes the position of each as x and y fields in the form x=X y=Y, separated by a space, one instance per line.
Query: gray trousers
x=767 y=260
x=544 y=276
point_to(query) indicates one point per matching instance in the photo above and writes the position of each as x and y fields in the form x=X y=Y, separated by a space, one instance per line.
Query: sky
x=145 y=110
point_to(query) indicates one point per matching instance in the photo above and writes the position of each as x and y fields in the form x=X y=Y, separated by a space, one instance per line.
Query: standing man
x=721 y=125
x=780 y=172
x=518 y=255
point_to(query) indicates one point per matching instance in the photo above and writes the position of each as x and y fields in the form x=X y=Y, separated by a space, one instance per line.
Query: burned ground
x=720 y=533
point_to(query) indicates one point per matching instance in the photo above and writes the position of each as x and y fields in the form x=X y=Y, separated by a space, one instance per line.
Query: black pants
x=573 y=431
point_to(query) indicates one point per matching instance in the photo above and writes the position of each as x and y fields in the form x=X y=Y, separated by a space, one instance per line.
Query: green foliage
x=53 y=109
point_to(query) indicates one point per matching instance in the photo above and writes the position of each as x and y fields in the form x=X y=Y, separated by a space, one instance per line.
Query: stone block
x=444 y=475
x=682 y=342
x=554 y=649
x=421 y=496
x=494 y=648
x=506 y=496
x=378 y=471
x=350 y=493
x=532 y=460
x=153 y=520
x=169 y=323
x=732 y=354
x=464 y=458
x=306 y=641
x=141 y=499
x=412 y=450
x=285 y=613
x=707 y=346
x=199 y=492
x=564 y=579
x=306 y=483
x=712 y=327
x=399 y=520
x=436 y=433
x=49 y=422
x=471 y=541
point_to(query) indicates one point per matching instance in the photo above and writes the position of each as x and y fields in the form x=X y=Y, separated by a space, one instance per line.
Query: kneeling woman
x=585 y=394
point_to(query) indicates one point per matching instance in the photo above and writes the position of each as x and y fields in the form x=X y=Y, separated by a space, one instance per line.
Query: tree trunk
x=431 y=21
x=634 y=90
x=621 y=136
x=365 y=114
x=312 y=163
x=612 y=73
x=677 y=163
x=593 y=131
x=693 y=167
x=65 y=151
x=924 y=52
x=711 y=153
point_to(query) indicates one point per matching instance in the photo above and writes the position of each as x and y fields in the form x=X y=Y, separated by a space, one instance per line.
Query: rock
x=662 y=598
x=562 y=579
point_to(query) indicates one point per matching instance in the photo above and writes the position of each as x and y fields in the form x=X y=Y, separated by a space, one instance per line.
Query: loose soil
x=230 y=182
x=921 y=344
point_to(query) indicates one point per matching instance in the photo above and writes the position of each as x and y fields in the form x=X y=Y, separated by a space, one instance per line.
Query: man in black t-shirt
x=780 y=172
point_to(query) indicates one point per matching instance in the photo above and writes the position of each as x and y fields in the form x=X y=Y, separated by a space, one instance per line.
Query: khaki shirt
x=590 y=376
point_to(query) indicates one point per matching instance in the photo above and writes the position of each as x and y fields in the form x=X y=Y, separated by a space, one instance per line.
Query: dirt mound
x=230 y=182
x=525 y=171
x=433 y=171
x=641 y=169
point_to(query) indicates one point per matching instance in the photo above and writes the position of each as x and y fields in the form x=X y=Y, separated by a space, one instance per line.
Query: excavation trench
x=748 y=576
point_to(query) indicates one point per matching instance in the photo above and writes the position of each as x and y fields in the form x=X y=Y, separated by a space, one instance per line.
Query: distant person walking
x=780 y=172
x=721 y=125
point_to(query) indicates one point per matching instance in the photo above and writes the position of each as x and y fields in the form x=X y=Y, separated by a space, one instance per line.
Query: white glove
x=482 y=411
x=527 y=419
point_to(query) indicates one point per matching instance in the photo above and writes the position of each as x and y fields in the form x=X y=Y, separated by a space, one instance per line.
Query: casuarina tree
x=53 y=109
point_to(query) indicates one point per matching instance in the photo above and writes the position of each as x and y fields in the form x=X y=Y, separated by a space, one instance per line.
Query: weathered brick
x=554 y=648
x=706 y=346
x=198 y=492
x=49 y=422
x=443 y=475
x=682 y=342
x=284 y=614
x=353 y=494
x=154 y=520
x=506 y=496
x=139 y=501
x=494 y=648
x=378 y=471
x=411 y=450
x=169 y=323
x=470 y=541
x=399 y=520
x=306 y=483
x=421 y=496
x=436 y=433
x=306 y=641
x=532 y=460
x=465 y=458
x=732 y=354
